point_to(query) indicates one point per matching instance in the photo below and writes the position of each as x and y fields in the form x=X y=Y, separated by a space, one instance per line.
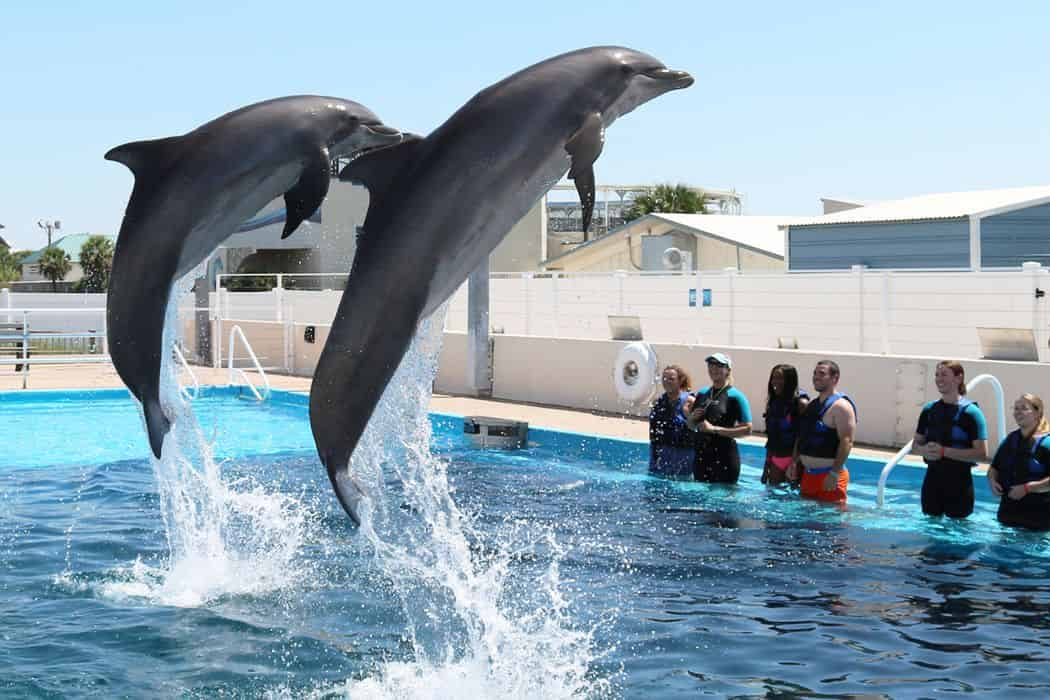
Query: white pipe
x=237 y=332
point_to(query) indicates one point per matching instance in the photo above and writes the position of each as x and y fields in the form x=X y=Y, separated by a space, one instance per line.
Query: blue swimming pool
x=594 y=578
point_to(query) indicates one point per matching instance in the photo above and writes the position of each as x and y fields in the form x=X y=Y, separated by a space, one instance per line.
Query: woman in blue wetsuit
x=785 y=402
x=671 y=443
x=720 y=414
x=1020 y=472
x=952 y=436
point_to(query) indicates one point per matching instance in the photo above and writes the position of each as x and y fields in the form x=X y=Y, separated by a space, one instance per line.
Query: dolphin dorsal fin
x=376 y=169
x=146 y=158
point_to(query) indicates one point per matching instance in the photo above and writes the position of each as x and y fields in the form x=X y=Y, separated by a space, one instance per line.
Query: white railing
x=186 y=366
x=26 y=335
x=1000 y=424
x=235 y=333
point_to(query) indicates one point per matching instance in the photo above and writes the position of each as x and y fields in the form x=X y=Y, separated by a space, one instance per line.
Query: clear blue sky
x=793 y=100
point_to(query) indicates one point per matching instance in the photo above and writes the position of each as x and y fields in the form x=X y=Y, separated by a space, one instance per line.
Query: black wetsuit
x=947 y=488
x=718 y=457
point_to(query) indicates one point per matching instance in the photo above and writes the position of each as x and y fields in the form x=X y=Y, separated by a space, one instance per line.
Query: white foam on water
x=474 y=629
x=225 y=536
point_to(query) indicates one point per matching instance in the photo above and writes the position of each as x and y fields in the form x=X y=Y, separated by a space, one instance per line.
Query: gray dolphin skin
x=441 y=204
x=192 y=191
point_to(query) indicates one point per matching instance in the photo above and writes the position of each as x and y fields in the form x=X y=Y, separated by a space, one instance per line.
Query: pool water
x=634 y=586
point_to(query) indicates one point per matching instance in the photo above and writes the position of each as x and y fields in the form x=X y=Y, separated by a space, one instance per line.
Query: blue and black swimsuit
x=717 y=456
x=947 y=488
x=1018 y=461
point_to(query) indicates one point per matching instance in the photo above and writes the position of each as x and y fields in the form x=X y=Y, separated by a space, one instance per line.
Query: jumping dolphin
x=192 y=191
x=441 y=204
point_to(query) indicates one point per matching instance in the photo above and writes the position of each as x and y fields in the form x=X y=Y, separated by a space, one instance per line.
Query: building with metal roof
x=71 y=245
x=985 y=229
x=702 y=241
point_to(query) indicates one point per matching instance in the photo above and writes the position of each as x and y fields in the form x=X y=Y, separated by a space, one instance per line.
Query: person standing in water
x=719 y=413
x=952 y=436
x=785 y=403
x=671 y=444
x=1020 y=472
x=825 y=438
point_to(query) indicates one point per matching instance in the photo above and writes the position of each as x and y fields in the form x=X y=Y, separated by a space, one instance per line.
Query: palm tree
x=10 y=269
x=55 y=265
x=96 y=259
x=669 y=199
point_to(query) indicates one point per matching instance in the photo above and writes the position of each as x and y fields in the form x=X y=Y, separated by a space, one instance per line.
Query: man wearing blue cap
x=720 y=413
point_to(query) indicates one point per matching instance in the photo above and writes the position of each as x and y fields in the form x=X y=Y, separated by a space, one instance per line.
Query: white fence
x=45 y=310
x=901 y=313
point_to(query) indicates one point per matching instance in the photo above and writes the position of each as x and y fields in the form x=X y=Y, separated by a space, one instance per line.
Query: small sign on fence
x=706 y=297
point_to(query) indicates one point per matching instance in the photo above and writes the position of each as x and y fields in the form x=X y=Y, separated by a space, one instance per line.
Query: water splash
x=475 y=627
x=225 y=536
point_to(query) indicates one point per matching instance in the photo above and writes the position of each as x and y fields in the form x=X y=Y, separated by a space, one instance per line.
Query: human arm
x=845 y=423
x=997 y=465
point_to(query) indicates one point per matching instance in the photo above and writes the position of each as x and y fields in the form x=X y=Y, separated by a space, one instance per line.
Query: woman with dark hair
x=671 y=444
x=1020 y=472
x=784 y=404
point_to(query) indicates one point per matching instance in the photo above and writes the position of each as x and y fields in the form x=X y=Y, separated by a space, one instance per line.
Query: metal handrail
x=186 y=365
x=237 y=332
x=1001 y=424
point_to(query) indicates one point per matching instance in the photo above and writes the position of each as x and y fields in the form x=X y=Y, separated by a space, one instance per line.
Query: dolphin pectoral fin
x=307 y=194
x=157 y=425
x=375 y=169
x=583 y=148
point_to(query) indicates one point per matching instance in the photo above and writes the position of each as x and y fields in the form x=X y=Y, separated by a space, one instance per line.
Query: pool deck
x=103 y=376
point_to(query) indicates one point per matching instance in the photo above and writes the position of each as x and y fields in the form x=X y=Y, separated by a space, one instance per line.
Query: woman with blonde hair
x=1020 y=472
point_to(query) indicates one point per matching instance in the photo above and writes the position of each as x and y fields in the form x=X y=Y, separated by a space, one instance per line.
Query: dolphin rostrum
x=441 y=204
x=192 y=191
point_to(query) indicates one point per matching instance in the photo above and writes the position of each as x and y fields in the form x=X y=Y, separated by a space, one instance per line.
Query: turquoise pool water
x=672 y=589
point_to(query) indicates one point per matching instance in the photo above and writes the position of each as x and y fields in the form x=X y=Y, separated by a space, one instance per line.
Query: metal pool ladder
x=236 y=332
x=186 y=366
x=1001 y=424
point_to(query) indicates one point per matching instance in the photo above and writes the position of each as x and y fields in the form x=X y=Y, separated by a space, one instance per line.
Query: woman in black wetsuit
x=1020 y=471
x=720 y=414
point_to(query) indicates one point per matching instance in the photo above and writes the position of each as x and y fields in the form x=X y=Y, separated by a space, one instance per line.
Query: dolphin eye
x=626 y=70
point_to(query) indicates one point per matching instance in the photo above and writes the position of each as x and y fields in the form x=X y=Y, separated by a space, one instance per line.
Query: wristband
x=942 y=451
x=1026 y=488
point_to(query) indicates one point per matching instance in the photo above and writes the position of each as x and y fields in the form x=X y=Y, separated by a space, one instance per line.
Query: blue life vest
x=816 y=438
x=1024 y=466
x=949 y=434
x=667 y=422
x=782 y=421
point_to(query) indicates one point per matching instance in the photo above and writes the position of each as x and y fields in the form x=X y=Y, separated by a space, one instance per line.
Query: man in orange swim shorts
x=825 y=438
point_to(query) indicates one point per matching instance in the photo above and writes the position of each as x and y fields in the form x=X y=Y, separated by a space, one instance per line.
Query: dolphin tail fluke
x=157 y=425
x=347 y=490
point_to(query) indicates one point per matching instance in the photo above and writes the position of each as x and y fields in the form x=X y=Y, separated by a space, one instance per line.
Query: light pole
x=50 y=227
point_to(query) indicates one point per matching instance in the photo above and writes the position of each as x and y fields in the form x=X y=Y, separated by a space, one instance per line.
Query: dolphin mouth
x=674 y=79
x=382 y=130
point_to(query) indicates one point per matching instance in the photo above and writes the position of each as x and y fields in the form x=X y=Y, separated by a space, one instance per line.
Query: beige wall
x=31 y=273
x=610 y=253
x=889 y=391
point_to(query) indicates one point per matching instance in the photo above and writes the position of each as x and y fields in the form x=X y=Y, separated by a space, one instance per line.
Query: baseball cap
x=721 y=359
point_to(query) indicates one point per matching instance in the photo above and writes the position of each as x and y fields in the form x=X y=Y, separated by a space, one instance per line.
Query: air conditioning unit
x=676 y=259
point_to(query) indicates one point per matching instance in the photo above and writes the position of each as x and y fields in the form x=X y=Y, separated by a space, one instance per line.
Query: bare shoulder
x=843 y=410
